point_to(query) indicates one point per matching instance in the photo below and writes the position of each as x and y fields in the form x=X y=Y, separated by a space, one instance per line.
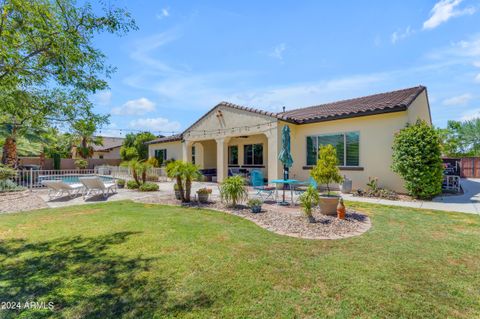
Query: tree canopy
x=461 y=138
x=134 y=146
x=48 y=63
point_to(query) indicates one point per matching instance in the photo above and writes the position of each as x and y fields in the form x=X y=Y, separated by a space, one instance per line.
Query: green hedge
x=148 y=187
x=416 y=157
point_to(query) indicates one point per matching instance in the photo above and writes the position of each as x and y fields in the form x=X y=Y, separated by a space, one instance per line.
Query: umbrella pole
x=285 y=177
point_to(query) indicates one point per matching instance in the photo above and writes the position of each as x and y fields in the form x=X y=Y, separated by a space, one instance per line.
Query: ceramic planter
x=328 y=205
x=256 y=209
x=177 y=195
x=202 y=197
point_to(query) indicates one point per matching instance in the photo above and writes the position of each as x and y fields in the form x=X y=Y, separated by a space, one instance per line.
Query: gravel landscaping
x=20 y=201
x=288 y=221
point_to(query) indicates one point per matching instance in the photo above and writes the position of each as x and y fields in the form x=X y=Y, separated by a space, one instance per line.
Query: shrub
x=7 y=172
x=416 y=157
x=373 y=190
x=254 y=202
x=326 y=171
x=204 y=190
x=7 y=185
x=148 y=187
x=120 y=182
x=308 y=200
x=233 y=190
x=81 y=163
x=132 y=184
x=153 y=162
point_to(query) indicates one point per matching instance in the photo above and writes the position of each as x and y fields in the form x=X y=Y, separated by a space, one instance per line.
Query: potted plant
x=255 y=205
x=120 y=183
x=326 y=172
x=203 y=194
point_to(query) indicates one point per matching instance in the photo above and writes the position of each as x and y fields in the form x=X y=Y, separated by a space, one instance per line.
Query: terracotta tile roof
x=109 y=143
x=165 y=139
x=373 y=104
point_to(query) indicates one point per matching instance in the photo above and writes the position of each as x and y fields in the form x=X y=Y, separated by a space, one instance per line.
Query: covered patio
x=229 y=141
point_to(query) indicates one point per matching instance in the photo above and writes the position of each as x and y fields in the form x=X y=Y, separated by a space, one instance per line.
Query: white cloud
x=470 y=115
x=443 y=11
x=304 y=94
x=476 y=64
x=163 y=14
x=103 y=98
x=458 y=100
x=157 y=124
x=135 y=107
x=278 y=51
x=144 y=49
x=400 y=35
x=477 y=78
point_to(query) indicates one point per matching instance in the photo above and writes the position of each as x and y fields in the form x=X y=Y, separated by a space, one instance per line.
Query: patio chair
x=263 y=191
x=58 y=188
x=97 y=186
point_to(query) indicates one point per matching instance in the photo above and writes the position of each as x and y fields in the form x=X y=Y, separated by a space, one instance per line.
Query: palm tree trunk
x=9 y=156
x=188 y=189
x=180 y=188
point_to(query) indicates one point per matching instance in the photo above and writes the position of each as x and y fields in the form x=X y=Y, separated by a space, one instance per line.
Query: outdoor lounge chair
x=58 y=188
x=96 y=185
x=263 y=191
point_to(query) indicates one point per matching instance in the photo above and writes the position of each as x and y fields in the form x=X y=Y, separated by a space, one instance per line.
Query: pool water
x=73 y=178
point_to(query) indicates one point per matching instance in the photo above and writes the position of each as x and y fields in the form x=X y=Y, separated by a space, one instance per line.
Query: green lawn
x=122 y=259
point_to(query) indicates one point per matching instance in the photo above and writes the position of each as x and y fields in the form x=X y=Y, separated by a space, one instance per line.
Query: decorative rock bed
x=288 y=221
x=20 y=201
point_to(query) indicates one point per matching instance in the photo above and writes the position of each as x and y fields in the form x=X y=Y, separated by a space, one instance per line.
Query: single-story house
x=110 y=148
x=362 y=129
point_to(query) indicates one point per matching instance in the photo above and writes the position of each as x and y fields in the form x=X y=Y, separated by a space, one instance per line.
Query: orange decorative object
x=341 y=209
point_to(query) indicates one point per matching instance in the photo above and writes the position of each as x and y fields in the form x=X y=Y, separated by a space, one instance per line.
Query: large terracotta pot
x=328 y=205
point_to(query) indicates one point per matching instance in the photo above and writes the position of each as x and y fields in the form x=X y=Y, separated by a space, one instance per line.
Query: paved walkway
x=469 y=202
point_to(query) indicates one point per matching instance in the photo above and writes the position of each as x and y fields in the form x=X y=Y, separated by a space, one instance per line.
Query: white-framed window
x=347 y=145
x=193 y=154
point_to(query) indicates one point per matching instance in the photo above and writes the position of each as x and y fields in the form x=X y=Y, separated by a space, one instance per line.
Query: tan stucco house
x=230 y=136
x=110 y=148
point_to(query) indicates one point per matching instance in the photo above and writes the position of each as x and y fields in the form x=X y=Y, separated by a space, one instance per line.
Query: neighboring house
x=110 y=148
x=362 y=130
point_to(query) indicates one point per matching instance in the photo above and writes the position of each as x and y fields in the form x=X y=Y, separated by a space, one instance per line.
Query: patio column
x=222 y=158
x=274 y=168
x=187 y=151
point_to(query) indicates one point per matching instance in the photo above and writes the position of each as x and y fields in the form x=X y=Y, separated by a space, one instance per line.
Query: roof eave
x=399 y=108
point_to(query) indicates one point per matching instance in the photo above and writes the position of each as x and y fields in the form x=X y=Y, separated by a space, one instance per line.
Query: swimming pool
x=72 y=178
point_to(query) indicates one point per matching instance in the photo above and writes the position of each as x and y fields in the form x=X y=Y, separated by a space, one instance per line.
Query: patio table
x=284 y=182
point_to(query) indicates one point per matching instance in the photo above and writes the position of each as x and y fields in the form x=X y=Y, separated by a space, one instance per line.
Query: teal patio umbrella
x=285 y=156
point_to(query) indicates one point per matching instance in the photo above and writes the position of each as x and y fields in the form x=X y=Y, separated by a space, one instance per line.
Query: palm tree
x=175 y=171
x=83 y=132
x=12 y=133
x=190 y=172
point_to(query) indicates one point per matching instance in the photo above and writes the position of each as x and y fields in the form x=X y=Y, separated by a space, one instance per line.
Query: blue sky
x=187 y=56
